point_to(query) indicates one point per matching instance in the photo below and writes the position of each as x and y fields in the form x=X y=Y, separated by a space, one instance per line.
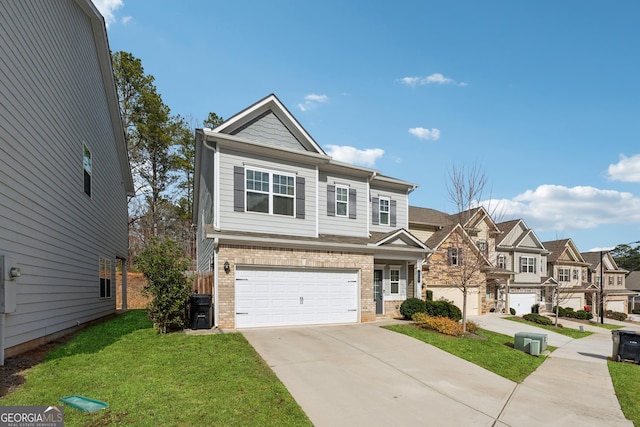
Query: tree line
x=161 y=149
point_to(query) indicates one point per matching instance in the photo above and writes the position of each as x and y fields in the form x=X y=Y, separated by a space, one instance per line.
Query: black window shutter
x=459 y=256
x=375 y=211
x=450 y=255
x=521 y=265
x=352 y=203
x=392 y=215
x=238 y=188
x=331 y=200
x=300 y=197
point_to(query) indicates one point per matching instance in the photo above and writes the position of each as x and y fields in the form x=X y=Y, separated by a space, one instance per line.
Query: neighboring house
x=632 y=282
x=616 y=294
x=292 y=236
x=567 y=266
x=463 y=246
x=64 y=172
x=520 y=252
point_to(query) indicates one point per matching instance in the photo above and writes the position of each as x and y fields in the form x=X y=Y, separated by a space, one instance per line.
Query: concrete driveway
x=362 y=374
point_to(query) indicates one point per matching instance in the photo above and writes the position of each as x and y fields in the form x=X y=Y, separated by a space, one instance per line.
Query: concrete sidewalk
x=572 y=387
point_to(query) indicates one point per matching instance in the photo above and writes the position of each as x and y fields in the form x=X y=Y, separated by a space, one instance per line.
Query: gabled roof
x=269 y=105
x=560 y=247
x=609 y=263
x=441 y=236
x=401 y=236
x=427 y=216
x=521 y=235
x=633 y=281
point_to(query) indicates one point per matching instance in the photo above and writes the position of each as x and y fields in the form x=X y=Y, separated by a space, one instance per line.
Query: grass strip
x=569 y=332
x=490 y=350
x=626 y=379
x=151 y=379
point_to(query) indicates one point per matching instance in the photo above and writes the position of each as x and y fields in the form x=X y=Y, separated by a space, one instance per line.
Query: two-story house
x=463 y=245
x=568 y=267
x=64 y=172
x=519 y=251
x=603 y=269
x=292 y=236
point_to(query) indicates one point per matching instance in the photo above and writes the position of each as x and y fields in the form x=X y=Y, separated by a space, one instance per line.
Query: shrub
x=615 y=315
x=584 y=315
x=444 y=325
x=512 y=311
x=537 y=318
x=472 y=327
x=164 y=264
x=443 y=309
x=561 y=311
x=635 y=311
x=411 y=306
x=429 y=295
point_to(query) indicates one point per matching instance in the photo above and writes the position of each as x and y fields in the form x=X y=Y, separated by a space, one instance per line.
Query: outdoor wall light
x=227 y=267
x=14 y=272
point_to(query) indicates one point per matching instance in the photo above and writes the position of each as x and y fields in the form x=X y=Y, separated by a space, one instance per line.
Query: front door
x=377 y=290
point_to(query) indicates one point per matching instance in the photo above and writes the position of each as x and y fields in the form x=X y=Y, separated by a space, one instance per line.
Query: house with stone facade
x=567 y=266
x=463 y=247
x=520 y=252
x=603 y=269
x=292 y=236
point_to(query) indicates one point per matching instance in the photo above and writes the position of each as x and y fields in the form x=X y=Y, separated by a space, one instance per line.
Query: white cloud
x=435 y=78
x=354 y=156
x=426 y=134
x=626 y=170
x=312 y=100
x=107 y=9
x=126 y=19
x=555 y=207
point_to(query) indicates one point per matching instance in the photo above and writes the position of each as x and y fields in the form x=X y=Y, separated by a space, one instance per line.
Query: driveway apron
x=346 y=375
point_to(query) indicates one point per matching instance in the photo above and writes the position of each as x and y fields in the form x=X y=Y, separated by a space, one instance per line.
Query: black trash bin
x=201 y=311
x=626 y=345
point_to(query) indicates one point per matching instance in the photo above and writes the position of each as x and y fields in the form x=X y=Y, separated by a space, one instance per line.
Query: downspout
x=216 y=310
x=1 y=339
x=373 y=175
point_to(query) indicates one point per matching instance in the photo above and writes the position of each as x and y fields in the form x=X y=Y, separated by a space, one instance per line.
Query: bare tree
x=465 y=188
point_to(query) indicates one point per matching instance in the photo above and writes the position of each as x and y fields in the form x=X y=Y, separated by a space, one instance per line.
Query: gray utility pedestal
x=530 y=342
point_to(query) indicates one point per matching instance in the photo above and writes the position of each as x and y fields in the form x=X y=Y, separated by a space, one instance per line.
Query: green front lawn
x=569 y=332
x=626 y=381
x=151 y=379
x=492 y=351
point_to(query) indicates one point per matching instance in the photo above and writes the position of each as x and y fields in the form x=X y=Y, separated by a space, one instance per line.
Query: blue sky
x=543 y=96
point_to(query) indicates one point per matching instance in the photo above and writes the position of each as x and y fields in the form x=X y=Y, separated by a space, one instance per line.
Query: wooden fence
x=203 y=283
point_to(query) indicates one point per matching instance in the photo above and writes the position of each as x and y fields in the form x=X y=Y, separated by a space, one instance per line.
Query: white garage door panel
x=522 y=302
x=268 y=297
x=573 y=302
x=618 y=306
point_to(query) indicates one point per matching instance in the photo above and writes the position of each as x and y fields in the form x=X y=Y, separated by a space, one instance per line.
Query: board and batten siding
x=270 y=130
x=329 y=223
x=52 y=101
x=231 y=220
x=401 y=210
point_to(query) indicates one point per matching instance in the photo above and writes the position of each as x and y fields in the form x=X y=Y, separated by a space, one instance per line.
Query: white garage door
x=455 y=295
x=284 y=297
x=618 y=306
x=574 y=302
x=522 y=302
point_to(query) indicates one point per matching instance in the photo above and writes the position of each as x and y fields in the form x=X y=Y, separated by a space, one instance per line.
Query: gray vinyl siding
x=402 y=218
x=206 y=207
x=261 y=222
x=52 y=100
x=338 y=225
x=268 y=129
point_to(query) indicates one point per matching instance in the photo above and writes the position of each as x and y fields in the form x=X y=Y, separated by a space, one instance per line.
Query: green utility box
x=520 y=344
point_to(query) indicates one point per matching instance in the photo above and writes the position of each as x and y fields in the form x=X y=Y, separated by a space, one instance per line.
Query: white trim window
x=527 y=264
x=384 y=210
x=270 y=192
x=394 y=281
x=501 y=261
x=563 y=274
x=105 y=277
x=342 y=200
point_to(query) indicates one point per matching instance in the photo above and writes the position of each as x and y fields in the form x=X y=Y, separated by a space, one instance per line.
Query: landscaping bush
x=164 y=265
x=537 y=318
x=443 y=309
x=429 y=295
x=444 y=325
x=411 y=306
x=615 y=315
x=561 y=311
x=472 y=327
x=635 y=311
x=512 y=311
x=584 y=315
